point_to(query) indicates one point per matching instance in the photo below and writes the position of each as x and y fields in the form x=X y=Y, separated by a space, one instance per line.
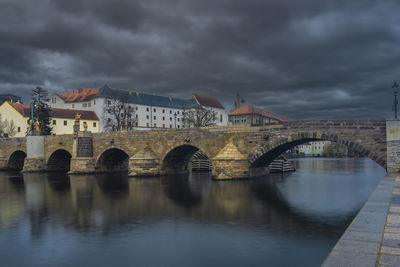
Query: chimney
x=237 y=102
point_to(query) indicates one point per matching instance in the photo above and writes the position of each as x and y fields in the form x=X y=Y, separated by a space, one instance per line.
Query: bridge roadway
x=234 y=151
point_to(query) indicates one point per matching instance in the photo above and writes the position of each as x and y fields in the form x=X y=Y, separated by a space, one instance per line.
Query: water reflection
x=288 y=205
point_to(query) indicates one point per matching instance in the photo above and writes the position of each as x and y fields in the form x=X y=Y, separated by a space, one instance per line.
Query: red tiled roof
x=208 y=101
x=22 y=109
x=246 y=109
x=70 y=114
x=80 y=95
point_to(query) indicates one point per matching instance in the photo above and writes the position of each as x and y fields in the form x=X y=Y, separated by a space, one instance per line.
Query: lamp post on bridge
x=395 y=87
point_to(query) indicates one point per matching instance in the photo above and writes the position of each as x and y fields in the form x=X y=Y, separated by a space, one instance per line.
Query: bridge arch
x=112 y=160
x=265 y=155
x=59 y=160
x=16 y=160
x=177 y=159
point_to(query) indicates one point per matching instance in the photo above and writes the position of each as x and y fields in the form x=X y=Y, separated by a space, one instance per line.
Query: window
x=54 y=122
x=136 y=108
x=163 y=111
x=109 y=102
x=154 y=110
x=89 y=104
x=170 y=119
x=147 y=124
x=155 y=124
x=170 y=112
x=177 y=112
x=129 y=116
x=27 y=121
x=178 y=119
x=136 y=123
x=178 y=126
x=136 y=116
x=220 y=117
x=65 y=123
x=73 y=105
x=19 y=129
x=170 y=126
x=94 y=102
x=84 y=105
x=163 y=125
x=94 y=124
x=163 y=118
x=147 y=109
x=147 y=116
x=109 y=120
x=155 y=117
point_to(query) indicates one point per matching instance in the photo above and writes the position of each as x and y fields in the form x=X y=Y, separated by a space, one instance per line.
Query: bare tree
x=7 y=127
x=118 y=114
x=199 y=117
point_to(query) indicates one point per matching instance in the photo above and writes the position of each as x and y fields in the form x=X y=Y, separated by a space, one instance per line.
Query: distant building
x=9 y=97
x=61 y=120
x=321 y=148
x=245 y=114
x=151 y=111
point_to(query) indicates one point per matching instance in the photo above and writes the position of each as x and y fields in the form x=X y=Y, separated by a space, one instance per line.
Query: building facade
x=150 y=111
x=61 y=120
x=245 y=114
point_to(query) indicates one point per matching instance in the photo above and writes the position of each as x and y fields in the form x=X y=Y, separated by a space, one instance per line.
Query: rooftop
x=208 y=101
x=146 y=99
x=80 y=95
x=247 y=110
x=25 y=111
x=70 y=114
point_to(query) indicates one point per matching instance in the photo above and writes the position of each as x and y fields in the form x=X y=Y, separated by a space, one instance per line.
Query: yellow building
x=61 y=120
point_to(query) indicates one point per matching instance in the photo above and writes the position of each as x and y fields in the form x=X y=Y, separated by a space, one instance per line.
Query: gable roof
x=208 y=101
x=146 y=99
x=70 y=114
x=25 y=111
x=80 y=95
x=246 y=110
x=22 y=109
x=9 y=97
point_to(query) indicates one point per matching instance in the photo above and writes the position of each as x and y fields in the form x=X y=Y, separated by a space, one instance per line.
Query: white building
x=316 y=148
x=151 y=111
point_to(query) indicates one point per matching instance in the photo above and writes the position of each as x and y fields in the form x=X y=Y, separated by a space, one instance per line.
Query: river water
x=111 y=220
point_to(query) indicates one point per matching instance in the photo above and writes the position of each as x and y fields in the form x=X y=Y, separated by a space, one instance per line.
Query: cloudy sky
x=304 y=59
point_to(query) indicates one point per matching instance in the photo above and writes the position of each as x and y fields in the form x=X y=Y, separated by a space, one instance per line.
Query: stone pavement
x=389 y=253
x=373 y=237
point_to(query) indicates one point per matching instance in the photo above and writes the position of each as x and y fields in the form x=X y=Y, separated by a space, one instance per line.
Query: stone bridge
x=234 y=151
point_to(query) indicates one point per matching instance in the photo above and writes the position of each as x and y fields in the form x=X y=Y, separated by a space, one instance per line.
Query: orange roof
x=246 y=109
x=80 y=95
x=22 y=109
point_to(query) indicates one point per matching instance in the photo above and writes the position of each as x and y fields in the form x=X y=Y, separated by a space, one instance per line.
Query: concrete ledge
x=361 y=242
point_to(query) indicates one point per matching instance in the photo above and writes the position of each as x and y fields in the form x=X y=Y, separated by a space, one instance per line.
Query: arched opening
x=266 y=159
x=16 y=160
x=200 y=162
x=113 y=160
x=60 y=160
x=178 y=159
x=282 y=146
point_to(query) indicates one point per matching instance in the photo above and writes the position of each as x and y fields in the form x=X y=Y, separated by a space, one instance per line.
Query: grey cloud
x=306 y=59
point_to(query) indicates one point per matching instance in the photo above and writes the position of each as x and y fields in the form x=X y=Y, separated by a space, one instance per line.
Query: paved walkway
x=373 y=237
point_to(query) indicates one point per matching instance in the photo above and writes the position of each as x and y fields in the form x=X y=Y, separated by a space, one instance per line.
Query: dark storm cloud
x=304 y=59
